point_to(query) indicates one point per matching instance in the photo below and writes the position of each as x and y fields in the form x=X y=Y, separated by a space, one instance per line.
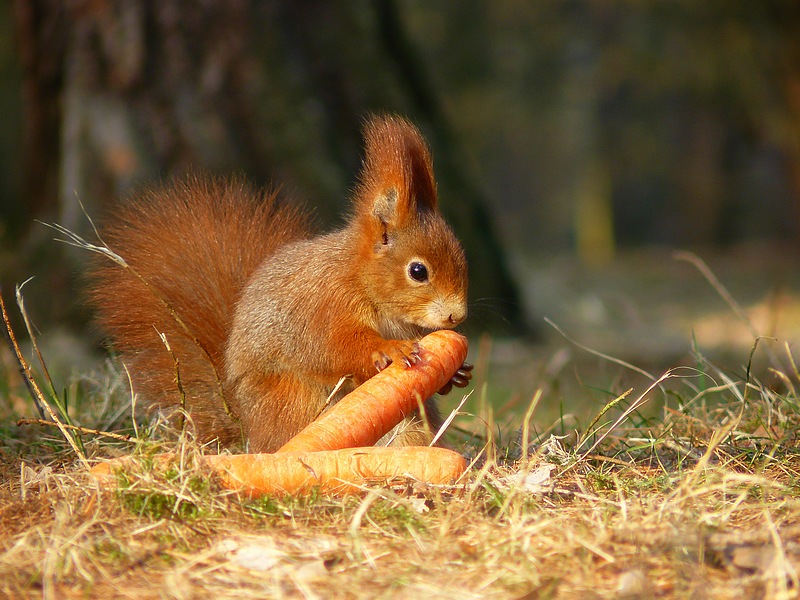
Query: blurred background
x=578 y=146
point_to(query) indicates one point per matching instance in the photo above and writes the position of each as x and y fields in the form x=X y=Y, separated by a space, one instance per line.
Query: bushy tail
x=190 y=248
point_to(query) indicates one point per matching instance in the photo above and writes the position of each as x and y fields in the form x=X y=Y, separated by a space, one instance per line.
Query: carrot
x=333 y=471
x=330 y=453
x=370 y=411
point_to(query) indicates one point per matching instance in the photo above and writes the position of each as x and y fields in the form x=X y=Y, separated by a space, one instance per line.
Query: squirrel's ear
x=384 y=205
x=396 y=183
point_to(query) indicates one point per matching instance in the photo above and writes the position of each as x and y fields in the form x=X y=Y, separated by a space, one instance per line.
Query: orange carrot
x=333 y=471
x=370 y=411
x=330 y=452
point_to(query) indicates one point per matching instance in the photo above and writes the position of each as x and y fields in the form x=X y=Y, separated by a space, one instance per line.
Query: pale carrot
x=333 y=471
x=336 y=471
x=370 y=411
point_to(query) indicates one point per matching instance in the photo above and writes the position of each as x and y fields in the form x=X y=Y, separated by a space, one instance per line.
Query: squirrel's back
x=189 y=249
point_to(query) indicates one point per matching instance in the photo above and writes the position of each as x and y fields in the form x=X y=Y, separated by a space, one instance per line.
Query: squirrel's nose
x=457 y=317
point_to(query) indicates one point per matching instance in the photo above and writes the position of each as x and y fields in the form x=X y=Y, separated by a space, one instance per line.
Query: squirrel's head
x=414 y=268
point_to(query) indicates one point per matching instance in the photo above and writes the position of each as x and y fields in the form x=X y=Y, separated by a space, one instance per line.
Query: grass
x=688 y=487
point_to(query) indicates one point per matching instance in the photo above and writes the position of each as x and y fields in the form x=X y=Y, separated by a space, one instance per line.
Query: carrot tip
x=370 y=411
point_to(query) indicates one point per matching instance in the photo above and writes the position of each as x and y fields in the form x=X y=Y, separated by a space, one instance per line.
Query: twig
x=34 y=343
x=449 y=419
x=715 y=283
x=622 y=418
x=706 y=271
x=87 y=430
x=24 y=369
x=178 y=381
x=526 y=423
x=599 y=354
x=33 y=387
x=133 y=399
x=329 y=402
x=599 y=415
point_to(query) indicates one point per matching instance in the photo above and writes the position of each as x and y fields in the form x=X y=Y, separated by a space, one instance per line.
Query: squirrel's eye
x=418 y=272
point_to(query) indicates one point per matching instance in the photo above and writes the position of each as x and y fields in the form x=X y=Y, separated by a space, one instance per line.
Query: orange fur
x=282 y=316
x=195 y=243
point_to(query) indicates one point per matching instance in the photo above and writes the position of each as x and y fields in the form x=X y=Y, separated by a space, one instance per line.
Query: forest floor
x=686 y=486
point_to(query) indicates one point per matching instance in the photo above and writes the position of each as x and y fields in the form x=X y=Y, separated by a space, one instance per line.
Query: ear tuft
x=396 y=183
x=385 y=205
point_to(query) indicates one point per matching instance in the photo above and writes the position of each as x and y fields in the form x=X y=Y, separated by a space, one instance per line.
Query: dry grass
x=701 y=502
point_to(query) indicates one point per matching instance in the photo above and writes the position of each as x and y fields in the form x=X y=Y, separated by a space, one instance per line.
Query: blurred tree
x=11 y=103
x=121 y=93
x=679 y=118
x=132 y=91
x=571 y=125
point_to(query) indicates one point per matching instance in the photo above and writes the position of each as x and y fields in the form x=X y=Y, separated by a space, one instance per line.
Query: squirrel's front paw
x=405 y=353
x=460 y=379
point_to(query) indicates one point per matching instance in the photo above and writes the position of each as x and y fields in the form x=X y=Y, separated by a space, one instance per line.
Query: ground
x=686 y=486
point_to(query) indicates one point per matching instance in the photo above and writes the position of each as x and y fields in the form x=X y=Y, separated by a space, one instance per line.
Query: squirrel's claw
x=407 y=355
x=463 y=376
x=381 y=360
x=465 y=371
x=446 y=389
x=460 y=379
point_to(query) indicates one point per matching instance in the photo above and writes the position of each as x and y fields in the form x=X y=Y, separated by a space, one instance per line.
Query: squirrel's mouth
x=436 y=314
x=403 y=330
x=444 y=314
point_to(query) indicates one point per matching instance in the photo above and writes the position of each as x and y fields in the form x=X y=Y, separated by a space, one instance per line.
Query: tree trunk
x=123 y=93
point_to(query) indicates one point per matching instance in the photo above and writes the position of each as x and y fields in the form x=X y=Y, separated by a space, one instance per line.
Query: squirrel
x=223 y=302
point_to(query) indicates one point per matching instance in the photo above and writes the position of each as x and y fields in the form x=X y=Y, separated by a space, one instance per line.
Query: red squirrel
x=260 y=318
